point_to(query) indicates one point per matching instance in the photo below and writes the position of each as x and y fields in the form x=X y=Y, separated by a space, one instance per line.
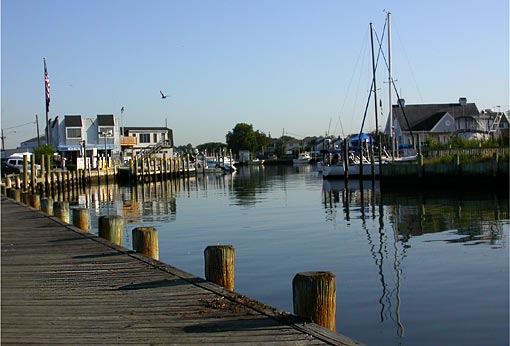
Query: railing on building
x=126 y=141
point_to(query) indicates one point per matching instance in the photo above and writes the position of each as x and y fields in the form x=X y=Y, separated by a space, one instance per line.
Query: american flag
x=47 y=86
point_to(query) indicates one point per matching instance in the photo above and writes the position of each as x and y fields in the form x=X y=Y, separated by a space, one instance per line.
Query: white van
x=17 y=161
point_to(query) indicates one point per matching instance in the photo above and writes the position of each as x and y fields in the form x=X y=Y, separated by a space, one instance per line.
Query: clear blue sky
x=302 y=66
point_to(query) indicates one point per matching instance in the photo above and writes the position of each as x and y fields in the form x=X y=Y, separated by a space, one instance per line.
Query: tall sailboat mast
x=373 y=81
x=390 y=86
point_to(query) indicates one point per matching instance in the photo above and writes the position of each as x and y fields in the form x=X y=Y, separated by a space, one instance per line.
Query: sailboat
x=359 y=161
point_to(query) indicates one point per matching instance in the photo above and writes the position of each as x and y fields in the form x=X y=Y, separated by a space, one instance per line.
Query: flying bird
x=163 y=96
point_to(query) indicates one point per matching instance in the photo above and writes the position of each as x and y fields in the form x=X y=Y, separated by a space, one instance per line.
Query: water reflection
x=475 y=216
x=471 y=218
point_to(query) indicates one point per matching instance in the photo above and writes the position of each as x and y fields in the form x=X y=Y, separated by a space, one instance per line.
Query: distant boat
x=337 y=165
x=303 y=158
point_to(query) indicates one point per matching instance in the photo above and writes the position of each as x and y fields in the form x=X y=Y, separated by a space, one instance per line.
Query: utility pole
x=37 y=124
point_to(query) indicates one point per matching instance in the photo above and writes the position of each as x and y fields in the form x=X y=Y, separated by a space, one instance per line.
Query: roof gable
x=418 y=115
x=105 y=120
x=72 y=121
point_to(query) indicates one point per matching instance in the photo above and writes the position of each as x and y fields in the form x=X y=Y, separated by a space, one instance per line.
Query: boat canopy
x=364 y=137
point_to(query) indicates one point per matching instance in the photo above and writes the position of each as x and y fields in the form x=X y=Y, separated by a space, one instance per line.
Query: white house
x=440 y=121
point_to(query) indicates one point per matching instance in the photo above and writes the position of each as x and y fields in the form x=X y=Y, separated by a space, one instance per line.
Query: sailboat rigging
x=356 y=163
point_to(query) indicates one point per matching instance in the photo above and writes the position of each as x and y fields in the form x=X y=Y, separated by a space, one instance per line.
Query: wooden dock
x=64 y=286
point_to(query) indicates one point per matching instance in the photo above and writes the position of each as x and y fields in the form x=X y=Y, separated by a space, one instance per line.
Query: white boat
x=303 y=158
x=224 y=164
x=353 y=170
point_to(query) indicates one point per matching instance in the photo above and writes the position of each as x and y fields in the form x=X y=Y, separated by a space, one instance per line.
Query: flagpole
x=47 y=99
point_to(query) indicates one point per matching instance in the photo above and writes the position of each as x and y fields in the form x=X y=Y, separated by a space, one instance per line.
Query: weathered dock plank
x=64 y=286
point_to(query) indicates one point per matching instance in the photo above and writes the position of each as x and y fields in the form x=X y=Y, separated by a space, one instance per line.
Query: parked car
x=7 y=169
x=16 y=160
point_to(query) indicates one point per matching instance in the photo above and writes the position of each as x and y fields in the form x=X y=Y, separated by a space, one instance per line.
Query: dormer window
x=73 y=132
x=105 y=125
x=73 y=126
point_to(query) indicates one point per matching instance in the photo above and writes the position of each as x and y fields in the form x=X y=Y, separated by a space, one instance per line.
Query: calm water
x=412 y=267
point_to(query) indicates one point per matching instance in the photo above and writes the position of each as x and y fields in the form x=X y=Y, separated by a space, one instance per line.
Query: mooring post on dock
x=35 y=201
x=16 y=195
x=25 y=172
x=33 y=175
x=110 y=228
x=145 y=241
x=47 y=205
x=81 y=218
x=25 y=196
x=314 y=297
x=219 y=265
x=61 y=210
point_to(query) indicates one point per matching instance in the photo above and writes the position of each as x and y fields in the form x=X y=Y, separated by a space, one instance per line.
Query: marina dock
x=61 y=285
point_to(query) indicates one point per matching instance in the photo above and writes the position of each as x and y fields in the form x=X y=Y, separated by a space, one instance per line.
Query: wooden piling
x=81 y=218
x=47 y=205
x=35 y=201
x=145 y=241
x=219 y=265
x=314 y=297
x=16 y=195
x=25 y=172
x=110 y=228
x=25 y=197
x=33 y=175
x=61 y=210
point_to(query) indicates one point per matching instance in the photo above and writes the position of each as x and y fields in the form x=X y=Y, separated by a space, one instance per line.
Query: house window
x=145 y=138
x=73 y=132
x=105 y=129
x=155 y=138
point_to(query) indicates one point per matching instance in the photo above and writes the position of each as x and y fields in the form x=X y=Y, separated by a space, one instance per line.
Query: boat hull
x=338 y=171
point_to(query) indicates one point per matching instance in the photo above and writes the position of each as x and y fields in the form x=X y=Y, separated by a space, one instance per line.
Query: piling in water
x=314 y=297
x=219 y=265
x=35 y=201
x=16 y=195
x=145 y=241
x=47 y=205
x=110 y=228
x=81 y=218
x=61 y=210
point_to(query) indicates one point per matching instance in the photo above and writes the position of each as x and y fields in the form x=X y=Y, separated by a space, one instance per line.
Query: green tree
x=263 y=141
x=242 y=137
x=43 y=149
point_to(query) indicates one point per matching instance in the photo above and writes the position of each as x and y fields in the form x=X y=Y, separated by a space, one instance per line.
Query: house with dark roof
x=74 y=136
x=437 y=121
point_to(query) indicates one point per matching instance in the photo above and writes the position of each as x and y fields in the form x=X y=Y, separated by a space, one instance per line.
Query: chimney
x=402 y=103
x=462 y=101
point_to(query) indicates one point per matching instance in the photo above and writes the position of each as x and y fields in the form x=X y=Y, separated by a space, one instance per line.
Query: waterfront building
x=97 y=139
x=147 y=141
x=441 y=121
